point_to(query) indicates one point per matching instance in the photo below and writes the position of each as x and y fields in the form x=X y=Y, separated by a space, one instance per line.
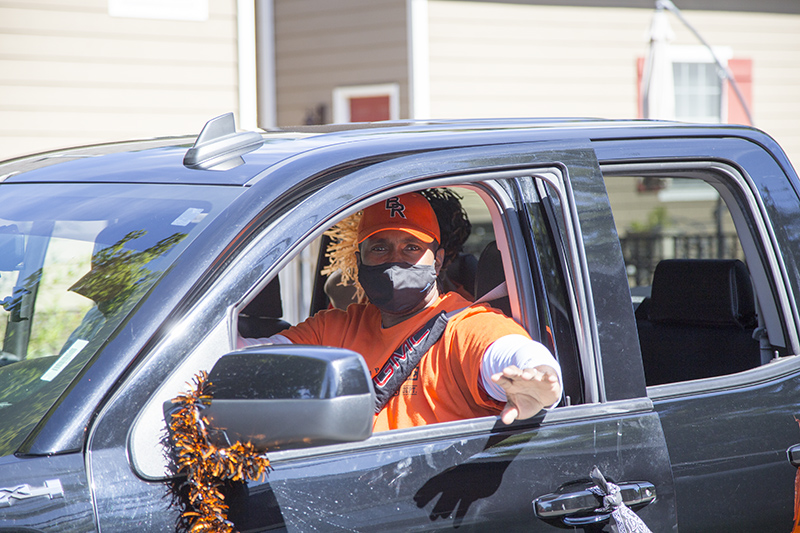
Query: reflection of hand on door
x=462 y=485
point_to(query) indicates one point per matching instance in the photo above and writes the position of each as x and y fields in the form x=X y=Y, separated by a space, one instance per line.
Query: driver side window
x=324 y=276
x=314 y=280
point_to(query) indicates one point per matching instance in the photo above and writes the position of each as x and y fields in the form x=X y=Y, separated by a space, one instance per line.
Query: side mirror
x=288 y=397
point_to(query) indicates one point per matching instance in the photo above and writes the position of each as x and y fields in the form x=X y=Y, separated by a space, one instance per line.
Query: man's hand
x=528 y=391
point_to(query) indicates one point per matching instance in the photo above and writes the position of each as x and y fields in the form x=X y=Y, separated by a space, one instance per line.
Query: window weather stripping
x=220 y=147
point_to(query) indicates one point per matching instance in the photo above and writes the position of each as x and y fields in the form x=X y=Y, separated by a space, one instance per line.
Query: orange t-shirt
x=445 y=385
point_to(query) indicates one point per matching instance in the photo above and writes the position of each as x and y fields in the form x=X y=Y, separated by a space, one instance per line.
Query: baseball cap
x=409 y=212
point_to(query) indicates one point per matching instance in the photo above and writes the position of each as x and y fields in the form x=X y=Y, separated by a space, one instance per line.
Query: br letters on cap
x=395 y=207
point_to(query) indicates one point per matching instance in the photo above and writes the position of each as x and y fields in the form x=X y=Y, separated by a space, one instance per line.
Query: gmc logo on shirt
x=399 y=357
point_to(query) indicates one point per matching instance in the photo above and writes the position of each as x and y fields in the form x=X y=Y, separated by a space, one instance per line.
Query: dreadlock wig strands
x=454 y=224
x=341 y=253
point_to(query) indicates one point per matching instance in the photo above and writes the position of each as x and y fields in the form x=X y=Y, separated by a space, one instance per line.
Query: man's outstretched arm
x=528 y=390
x=522 y=373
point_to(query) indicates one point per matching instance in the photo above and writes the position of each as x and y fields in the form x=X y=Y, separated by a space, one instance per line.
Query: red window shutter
x=369 y=108
x=639 y=76
x=742 y=72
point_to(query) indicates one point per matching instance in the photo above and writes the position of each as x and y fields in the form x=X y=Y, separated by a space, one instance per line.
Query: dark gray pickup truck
x=659 y=262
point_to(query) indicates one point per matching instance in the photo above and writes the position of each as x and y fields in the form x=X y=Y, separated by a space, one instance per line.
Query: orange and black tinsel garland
x=208 y=468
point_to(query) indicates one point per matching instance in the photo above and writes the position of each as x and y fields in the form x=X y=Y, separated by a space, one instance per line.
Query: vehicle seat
x=700 y=321
x=489 y=274
x=262 y=316
x=460 y=275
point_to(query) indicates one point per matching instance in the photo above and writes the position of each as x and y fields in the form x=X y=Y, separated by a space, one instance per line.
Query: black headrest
x=708 y=292
x=489 y=272
x=267 y=303
x=463 y=270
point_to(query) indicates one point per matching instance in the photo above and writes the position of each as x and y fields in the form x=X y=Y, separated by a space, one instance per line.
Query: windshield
x=75 y=259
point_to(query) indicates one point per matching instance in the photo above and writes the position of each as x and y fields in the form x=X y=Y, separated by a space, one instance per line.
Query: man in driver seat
x=482 y=363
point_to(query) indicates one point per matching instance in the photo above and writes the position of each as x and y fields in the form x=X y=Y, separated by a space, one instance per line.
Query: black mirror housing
x=289 y=396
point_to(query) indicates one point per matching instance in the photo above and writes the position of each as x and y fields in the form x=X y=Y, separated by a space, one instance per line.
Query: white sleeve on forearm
x=516 y=350
x=243 y=342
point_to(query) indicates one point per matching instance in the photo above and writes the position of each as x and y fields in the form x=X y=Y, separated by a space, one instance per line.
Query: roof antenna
x=220 y=147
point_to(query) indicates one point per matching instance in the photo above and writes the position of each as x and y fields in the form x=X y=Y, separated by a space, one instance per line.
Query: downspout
x=246 y=26
x=419 y=91
x=265 y=59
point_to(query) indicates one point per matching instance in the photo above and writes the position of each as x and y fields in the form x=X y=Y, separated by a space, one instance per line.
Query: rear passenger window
x=690 y=254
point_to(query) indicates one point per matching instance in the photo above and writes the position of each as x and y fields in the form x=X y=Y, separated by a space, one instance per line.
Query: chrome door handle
x=574 y=505
x=793 y=454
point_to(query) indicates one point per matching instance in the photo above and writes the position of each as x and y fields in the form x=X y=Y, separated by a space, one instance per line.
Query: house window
x=366 y=103
x=701 y=95
x=698 y=92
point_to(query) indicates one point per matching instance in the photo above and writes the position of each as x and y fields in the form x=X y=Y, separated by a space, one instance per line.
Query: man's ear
x=438 y=260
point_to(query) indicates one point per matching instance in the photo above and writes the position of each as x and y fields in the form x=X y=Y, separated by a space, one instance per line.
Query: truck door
x=724 y=381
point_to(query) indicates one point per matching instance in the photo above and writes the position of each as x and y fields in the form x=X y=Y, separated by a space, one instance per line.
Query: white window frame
x=342 y=96
x=701 y=54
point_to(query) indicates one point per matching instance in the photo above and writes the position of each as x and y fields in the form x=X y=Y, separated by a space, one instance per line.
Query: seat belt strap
x=405 y=359
x=498 y=292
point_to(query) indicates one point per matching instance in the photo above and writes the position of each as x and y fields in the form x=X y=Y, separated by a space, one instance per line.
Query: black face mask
x=396 y=288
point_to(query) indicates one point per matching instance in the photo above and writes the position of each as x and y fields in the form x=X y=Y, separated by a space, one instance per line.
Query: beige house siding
x=321 y=45
x=489 y=59
x=72 y=74
x=494 y=59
